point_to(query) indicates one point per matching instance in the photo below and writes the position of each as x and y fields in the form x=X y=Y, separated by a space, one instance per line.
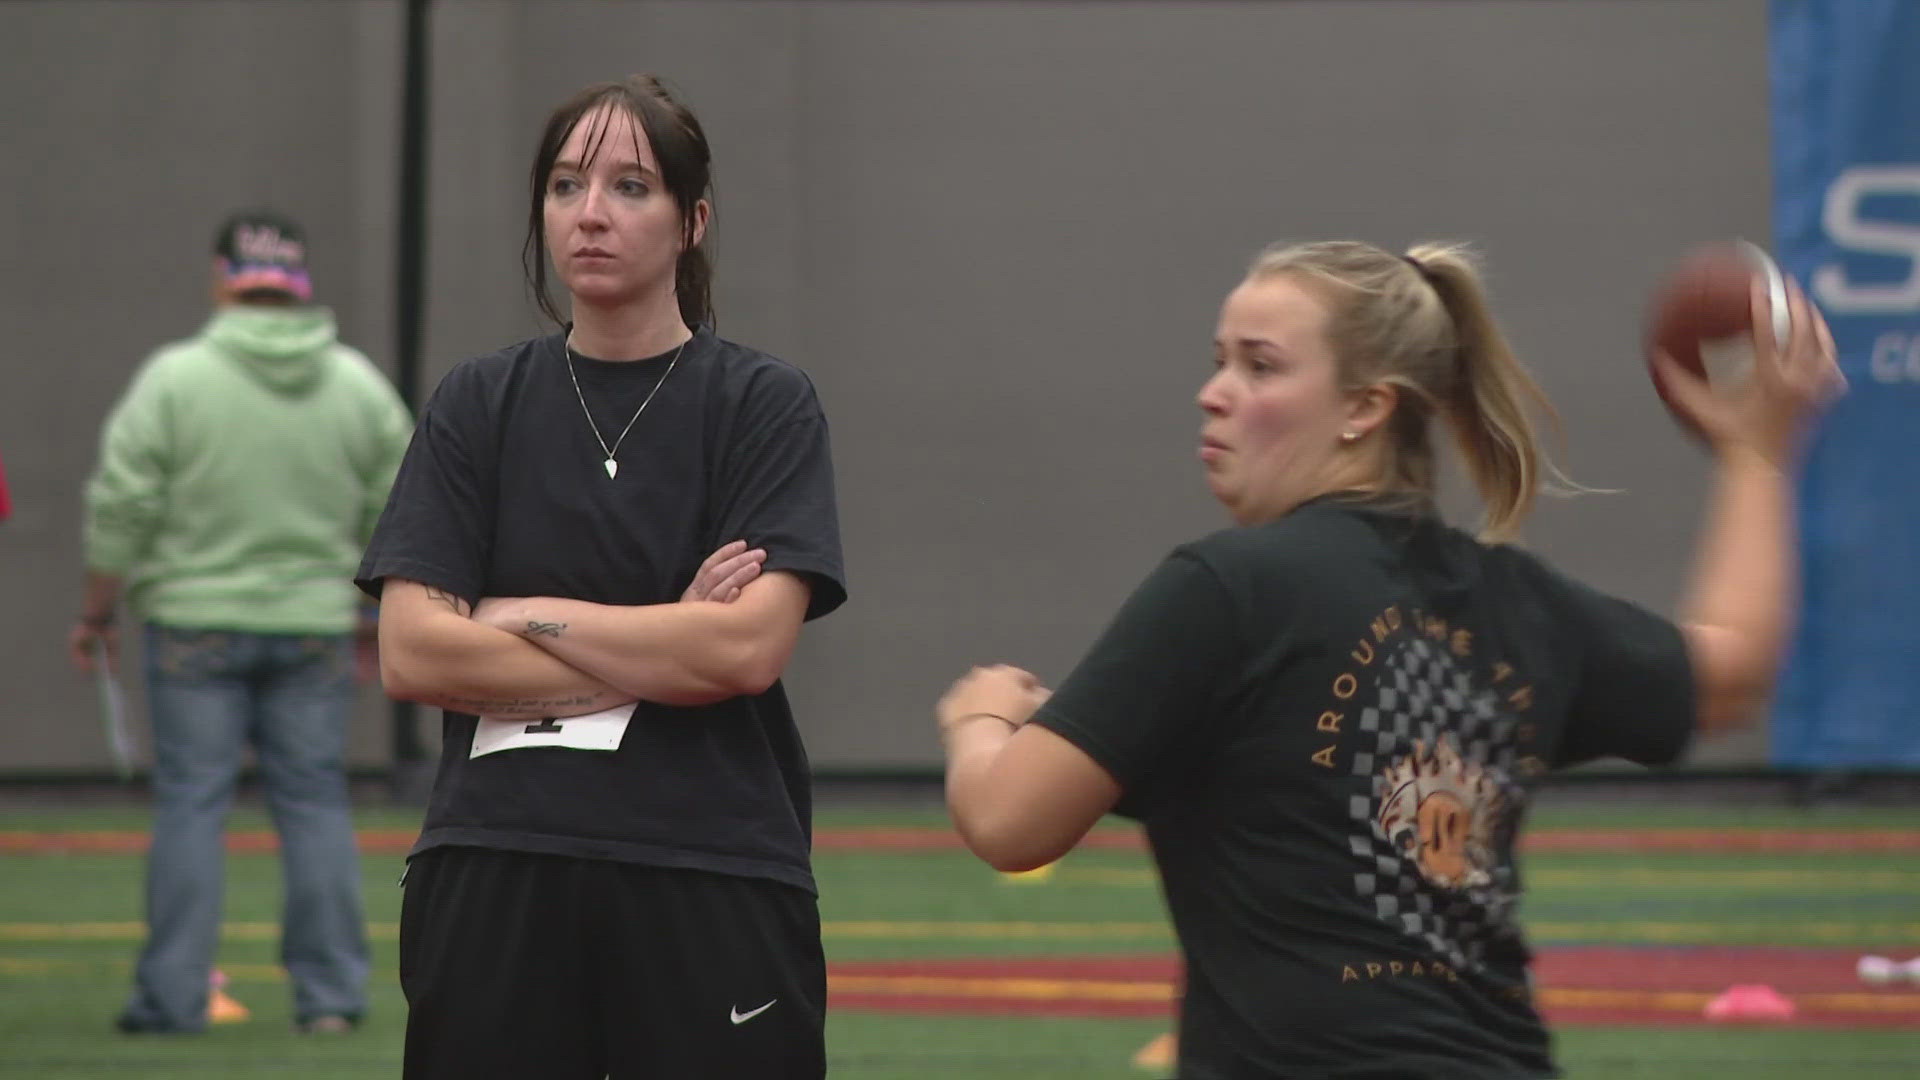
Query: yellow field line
x=266 y=931
x=1138 y=990
x=10 y=965
x=1696 y=1000
x=1151 y=990
x=1095 y=876
x=21 y=965
x=1883 y=934
x=133 y=931
x=1004 y=988
x=997 y=931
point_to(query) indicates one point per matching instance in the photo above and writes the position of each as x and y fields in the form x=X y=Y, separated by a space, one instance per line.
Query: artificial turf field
x=942 y=968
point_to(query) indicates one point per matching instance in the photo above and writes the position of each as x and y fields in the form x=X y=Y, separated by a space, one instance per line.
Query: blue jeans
x=211 y=694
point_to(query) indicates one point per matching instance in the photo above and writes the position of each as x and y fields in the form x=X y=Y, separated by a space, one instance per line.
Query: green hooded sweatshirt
x=242 y=473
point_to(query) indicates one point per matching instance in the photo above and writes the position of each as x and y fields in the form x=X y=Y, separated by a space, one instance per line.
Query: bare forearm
x=438 y=656
x=688 y=653
x=972 y=747
x=1740 y=605
x=1021 y=799
x=1019 y=794
x=102 y=597
x=477 y=669
x=1740 y=600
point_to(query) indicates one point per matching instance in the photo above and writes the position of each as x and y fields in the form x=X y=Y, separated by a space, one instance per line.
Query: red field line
x=1729 y=841
x=875 y=838
x=127 y=842
x=1739 y=841
x=1576 y=986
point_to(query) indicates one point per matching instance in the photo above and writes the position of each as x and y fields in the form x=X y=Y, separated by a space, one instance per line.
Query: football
x=1702 y=314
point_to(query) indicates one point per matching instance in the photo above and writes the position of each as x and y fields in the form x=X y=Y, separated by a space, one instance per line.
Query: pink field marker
x=1750 y=1001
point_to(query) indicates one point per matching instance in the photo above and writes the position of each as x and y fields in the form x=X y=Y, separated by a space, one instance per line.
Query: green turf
x=68 y=929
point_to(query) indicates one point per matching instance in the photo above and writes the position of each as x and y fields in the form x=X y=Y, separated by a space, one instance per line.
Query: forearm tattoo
x=544 y=629
x=460 y=607
x=491 y=706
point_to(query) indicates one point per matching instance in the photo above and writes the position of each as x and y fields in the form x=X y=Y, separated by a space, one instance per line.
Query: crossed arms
x=730 y=634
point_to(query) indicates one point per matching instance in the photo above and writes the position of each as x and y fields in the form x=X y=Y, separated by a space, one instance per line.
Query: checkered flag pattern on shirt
x=1436 y=804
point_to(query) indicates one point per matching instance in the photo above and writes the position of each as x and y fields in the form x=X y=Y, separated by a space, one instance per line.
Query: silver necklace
x=612 y=466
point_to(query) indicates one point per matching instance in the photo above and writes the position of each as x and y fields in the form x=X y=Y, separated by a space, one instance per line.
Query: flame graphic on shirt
x=1438 y=812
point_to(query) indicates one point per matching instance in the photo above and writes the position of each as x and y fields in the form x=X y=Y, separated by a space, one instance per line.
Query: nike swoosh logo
x=739 y=1017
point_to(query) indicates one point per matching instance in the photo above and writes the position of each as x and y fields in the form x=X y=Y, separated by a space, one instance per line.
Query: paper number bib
x=594 y=731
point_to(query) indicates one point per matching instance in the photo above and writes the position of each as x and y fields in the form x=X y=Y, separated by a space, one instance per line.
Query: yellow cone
x=1028 y=877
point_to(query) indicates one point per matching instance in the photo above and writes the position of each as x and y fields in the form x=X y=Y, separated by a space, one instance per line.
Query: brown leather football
x=1707 y=302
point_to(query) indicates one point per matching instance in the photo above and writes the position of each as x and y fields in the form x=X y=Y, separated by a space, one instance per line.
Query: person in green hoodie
x=239 y=478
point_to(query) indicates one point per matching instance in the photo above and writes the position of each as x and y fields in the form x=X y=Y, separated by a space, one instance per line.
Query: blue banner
x=1846 y=137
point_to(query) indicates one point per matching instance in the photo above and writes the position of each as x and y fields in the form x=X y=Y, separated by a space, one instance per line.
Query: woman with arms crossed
x=1329 y=717
x=613 y=876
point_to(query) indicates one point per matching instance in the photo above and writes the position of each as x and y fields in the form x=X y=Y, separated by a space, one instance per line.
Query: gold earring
x=1349 y=436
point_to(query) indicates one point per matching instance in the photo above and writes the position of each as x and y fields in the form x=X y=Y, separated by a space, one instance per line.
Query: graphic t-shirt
x=1329 y=726
x=503 y=492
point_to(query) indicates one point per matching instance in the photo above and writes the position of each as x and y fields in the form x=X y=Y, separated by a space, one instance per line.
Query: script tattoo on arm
x=489 y=706
x=544 y=629
x=460 y=607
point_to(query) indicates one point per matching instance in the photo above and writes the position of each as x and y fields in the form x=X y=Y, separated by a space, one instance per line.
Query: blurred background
x=996 y=233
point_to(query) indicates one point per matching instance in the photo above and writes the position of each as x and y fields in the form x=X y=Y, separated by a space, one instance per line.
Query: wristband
x=964 y=717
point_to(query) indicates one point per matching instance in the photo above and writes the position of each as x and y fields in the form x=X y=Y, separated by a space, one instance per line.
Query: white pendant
x=613 y=468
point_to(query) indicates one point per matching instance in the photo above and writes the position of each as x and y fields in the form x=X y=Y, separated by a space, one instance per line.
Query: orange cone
x=1158 y=1055
x=222 y=1009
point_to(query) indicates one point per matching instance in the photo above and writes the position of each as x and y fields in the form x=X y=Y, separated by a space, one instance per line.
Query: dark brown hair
x=686 y=168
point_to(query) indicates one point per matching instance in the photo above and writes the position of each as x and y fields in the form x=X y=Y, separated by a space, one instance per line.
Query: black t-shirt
x=1329 y=725
x=503 y=493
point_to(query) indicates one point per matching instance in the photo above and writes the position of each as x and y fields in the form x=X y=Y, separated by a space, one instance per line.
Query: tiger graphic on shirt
x=1436 y=745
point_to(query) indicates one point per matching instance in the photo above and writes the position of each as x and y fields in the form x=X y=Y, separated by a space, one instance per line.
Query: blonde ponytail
x=1492 y=394
x=1421 y=322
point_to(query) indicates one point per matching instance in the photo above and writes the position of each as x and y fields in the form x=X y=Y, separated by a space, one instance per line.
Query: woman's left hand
x=725 y=572
x=997 y=690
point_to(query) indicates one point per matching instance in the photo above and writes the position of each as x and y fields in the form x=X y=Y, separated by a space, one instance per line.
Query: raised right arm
x=1740 y=603
x=433 y=653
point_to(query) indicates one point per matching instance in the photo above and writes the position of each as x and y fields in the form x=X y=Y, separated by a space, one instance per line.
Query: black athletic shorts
x=541 y=967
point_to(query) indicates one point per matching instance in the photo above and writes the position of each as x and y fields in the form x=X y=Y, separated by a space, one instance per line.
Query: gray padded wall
x=995 y=233
x=132 y=129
